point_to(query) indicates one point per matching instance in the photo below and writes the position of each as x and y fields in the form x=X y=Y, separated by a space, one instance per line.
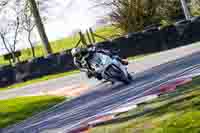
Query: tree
x=40 y=26
x=10 y=40
x=134 y=15
x=195 y=7
x=28 y=24
x=28 y=18
x=10 y=28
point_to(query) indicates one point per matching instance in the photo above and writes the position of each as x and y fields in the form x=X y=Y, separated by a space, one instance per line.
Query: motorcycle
x=110 y=68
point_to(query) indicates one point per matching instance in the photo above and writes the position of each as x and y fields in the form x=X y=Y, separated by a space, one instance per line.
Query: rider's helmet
x=75 y=51
x=79 y=52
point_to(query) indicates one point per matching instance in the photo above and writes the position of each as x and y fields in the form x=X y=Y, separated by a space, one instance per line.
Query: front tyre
x=114 y=73
x=129 y=79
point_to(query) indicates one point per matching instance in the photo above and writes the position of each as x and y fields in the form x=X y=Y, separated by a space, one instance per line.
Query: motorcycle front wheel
x=114 y=73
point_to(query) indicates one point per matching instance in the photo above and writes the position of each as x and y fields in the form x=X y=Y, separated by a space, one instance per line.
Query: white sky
x=65 y=17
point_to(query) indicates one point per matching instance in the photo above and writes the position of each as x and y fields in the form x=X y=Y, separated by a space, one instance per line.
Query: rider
x=81 y=56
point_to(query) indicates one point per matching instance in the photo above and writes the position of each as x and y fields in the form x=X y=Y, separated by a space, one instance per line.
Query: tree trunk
x=32 y=48
x=185 y=9
x=40 y=27
x=8 y=50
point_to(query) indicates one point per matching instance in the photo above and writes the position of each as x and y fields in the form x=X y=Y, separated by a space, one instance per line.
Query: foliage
x=134 y=15
x=195 y=7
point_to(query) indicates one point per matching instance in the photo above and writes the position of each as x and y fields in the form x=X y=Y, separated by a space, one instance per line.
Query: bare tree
x=10 y=28
x=3 y=35
x=40 y=26
x=28 y=24
x=28 y=17
x=9 y=41
x=28 y=21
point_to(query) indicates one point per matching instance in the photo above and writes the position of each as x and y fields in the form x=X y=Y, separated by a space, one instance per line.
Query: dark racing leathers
x=83 y=64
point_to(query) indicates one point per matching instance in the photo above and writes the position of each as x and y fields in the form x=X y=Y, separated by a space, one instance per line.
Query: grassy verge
x=177 y=112
x=41 y=79
x=15 y=110
x=138 y=57
x=65 y=43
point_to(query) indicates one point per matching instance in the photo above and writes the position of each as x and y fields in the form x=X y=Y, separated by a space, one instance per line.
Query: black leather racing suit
x=83 y=64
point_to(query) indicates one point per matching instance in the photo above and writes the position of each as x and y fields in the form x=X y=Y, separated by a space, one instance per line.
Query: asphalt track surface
x=70 y=115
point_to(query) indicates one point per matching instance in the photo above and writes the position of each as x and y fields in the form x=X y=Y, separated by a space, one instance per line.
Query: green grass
x=65 y=43
x=41 y=79
x=15 y=110
x=138 y=57
x=177 y=112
